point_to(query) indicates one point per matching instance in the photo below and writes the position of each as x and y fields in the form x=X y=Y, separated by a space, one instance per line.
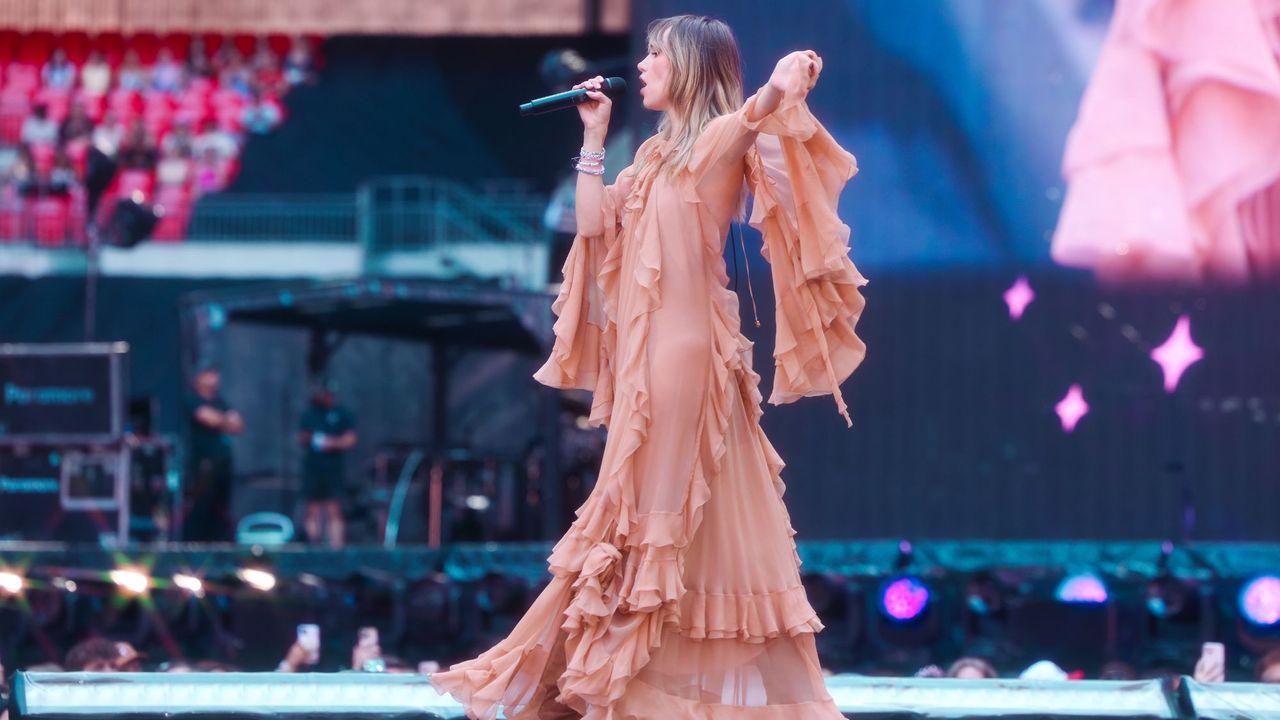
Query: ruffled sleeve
x=585 y=333
x=796 y=172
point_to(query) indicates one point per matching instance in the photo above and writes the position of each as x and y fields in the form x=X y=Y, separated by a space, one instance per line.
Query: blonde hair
x=705 y=80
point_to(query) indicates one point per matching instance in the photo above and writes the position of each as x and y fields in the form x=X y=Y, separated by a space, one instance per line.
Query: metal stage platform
x=143 y=696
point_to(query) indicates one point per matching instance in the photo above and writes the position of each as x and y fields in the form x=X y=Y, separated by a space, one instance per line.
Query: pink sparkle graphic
x=1071 y=408
x=1177 y=353
x=1018 y=297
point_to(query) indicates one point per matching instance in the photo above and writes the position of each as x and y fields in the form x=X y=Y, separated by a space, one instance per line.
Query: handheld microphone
x=612 y=87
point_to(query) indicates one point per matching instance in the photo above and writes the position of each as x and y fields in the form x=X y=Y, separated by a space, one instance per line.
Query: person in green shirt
x=211 y=423
x=327 y=432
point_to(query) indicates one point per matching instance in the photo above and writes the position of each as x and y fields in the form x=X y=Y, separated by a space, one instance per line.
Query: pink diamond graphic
x=1071 y=408
x=1177 y=353
x=1018 y=297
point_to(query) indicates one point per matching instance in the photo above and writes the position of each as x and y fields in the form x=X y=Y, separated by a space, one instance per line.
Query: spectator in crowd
x=78 y=125
x=179 y=140
x=167 y=75
x=174 y=168
x=39 y=128
x=266 y=70
x=209 y=171
x=95 y=76
x=138 y=149
x=298 y=63
x=58 y=73
x=132 y=76
x=62 y=177
x=261 y=114
x=198 y=65
x=108 y=135
x=972 y=668
x=212 y=422
x=22 y=173
x=235 y=74
x=214 y=139
x=103 y=655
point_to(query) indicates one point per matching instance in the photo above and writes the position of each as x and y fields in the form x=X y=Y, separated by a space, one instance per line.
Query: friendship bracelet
x=586 y=154
x=589 y=169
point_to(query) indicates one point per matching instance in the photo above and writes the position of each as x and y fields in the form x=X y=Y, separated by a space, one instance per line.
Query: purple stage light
x=904 y=599
x=1084 y=589
x=1260 y=600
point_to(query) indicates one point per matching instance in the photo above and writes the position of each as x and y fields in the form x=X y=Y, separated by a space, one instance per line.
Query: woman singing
x=676 y=592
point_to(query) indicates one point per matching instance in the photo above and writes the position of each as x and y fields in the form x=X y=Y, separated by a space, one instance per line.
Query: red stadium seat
x=94 y=105
x=50 y=219
x=125 y=104
x=43 y=156
x=22 y=77
x=76 y=45
x=57 y=100
x=36 y=48
x=132 y=180
x=176 y=201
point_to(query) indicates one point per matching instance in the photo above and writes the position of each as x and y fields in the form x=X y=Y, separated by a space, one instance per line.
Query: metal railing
x=275 y=218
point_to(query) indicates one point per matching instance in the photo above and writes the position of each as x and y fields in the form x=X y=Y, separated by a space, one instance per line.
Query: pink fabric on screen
x=1174 y=160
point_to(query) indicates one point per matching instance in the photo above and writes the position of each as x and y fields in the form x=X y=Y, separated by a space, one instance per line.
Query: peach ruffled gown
x=1174 y=162
x=676 y=592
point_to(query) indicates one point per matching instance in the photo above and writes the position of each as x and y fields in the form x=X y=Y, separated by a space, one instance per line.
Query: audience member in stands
x=132 y=75
x=179 y=140
x=95 y=76
x=138 y=149
x=198 y=65
x=59 y=73
x=103 y=655
x=972 y=668
x=266 y=70
x=167 y=75
x=108 y=135
x=62 y=177
x=22 y=172
x=209 y=172
x=175 y=167
x=261 y=114
x=39 y=128
x=235 y=74
x=78 y=125
x=298 y=63
x=222 y=143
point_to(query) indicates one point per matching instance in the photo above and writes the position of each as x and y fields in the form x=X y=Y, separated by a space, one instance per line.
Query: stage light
x=1085 y=589
x=1260 y=600
x=257 y=579
x=190 y=583
x=130 y=580
x=11 y=583
x=904 y=599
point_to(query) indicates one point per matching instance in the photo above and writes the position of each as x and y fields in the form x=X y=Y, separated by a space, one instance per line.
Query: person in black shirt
x=209 y=467
x=327 y=432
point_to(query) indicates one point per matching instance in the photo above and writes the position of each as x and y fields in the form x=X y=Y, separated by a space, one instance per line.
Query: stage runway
x=143 y=696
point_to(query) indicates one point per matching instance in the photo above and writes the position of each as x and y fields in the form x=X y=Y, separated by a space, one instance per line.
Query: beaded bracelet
x=596 y=155
x=589 y=168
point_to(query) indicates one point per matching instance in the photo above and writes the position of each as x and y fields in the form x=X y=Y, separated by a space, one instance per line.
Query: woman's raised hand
x=796 y=73
x=594 y=112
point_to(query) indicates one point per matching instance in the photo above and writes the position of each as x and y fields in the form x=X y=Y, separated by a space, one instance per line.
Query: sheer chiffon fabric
x=676 y=591
x=1173 y=166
